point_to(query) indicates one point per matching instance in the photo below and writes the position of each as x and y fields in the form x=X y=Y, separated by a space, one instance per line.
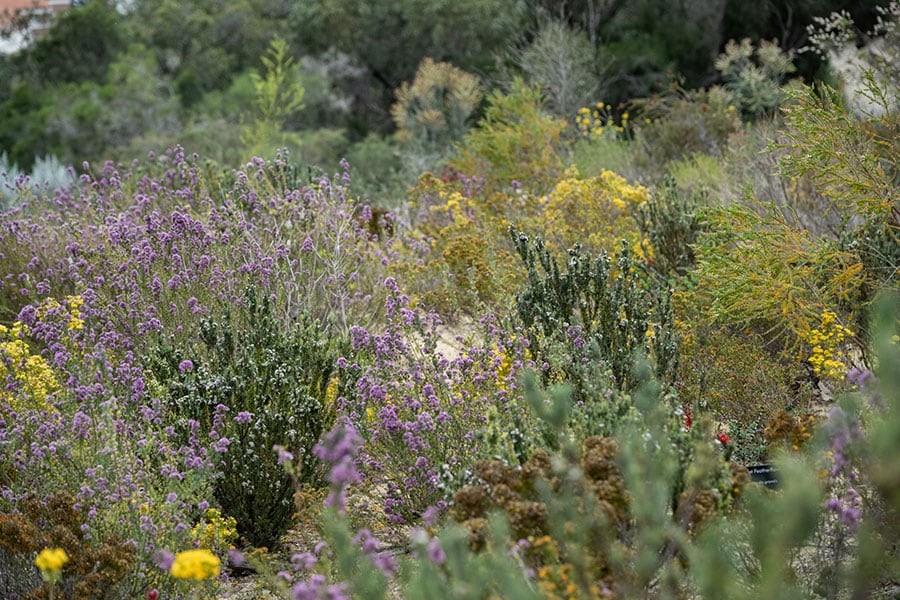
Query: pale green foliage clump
x=48 y=174
x=436 y=107
x=433 y=113
x=562 y=62
x=755 y=85
x=835 y=36
x=279 y=95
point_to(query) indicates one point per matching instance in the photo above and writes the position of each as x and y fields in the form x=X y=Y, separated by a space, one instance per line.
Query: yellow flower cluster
x=73 y=304
x=596 y=212
x=331 y=391
x=456 y=207
x=35 y=377
x=827 y=342
x=75 y=322
x=51 y=560
x=594 y=122
x=197 y=564
x=215 y=531
x=503 y=368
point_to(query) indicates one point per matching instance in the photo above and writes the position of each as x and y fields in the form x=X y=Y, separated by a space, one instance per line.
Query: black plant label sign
x=764 y=474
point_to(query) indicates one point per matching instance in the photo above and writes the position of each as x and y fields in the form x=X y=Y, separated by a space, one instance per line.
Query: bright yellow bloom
x=51 y=560
x=195 y=564
x=215 y=531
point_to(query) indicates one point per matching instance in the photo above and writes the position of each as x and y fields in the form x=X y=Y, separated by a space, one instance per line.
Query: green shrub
x=434 y=110
x=734 y=377
x=671 y=224
x=760 y=271
x=678 y=124
x=248 y=363
x=595 y=303
x=563 y=62
x=703 y=172
x=852 y=162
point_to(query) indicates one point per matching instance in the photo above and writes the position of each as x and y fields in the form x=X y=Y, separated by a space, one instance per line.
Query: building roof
x=16 y=40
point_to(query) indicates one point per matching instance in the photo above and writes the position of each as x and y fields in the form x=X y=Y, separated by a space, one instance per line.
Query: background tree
x=391 y=39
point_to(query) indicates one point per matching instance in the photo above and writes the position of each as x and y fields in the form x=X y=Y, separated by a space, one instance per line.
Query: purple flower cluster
x=315 y=588
x=421 y=411
x=371 y=547
x=844 y=432
x=339 y=449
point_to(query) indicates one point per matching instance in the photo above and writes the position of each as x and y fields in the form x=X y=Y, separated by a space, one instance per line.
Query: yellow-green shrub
x=731 y=374
x=515 y=141
x=758 y=270
x=434 y=109
x=457 y=258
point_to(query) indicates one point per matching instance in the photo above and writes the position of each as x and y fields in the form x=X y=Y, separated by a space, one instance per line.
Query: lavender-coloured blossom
x=367 y=542
x=304 y=561
x=243 y=417
x=431 y=515
x=385 y=562
x=283 y=455
x=339 y=448
x=163 y=559
x=435 y=552
x=236 y=557
x=186 y=366
x=308 y=590
x=862 y=378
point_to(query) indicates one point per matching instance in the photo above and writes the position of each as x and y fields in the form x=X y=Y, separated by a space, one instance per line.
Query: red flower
x=153 y=594
x=723 y=439
x=688 y=417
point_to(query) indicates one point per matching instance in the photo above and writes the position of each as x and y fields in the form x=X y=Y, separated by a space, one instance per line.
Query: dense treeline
x=115 y=83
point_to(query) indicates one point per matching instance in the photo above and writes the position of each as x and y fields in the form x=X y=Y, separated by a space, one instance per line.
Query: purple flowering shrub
x=142 y=261
x=755 y=544
x=424 y=414
x=98 y=434
x=160 y=245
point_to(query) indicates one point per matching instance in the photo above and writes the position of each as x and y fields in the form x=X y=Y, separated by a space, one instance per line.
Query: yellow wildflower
x=50 y=561
x=331 y=391
x=215 y=531
x=197 y=564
